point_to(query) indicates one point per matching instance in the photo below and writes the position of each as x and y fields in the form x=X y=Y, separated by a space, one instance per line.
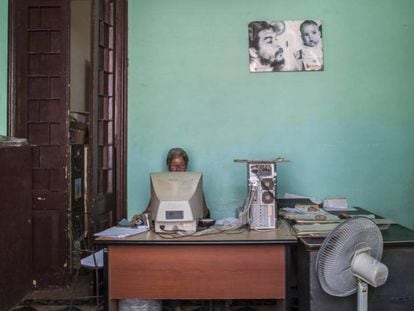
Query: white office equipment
x=260 y=208
x=348 y=260
x=176 y=201
x=261 y=179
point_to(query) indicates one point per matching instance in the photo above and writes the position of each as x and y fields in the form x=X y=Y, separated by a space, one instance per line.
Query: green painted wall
x=347 y=131
x=3 y=66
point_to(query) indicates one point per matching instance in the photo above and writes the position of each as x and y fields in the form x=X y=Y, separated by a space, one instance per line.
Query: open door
x=107 y=115
x=38 y=109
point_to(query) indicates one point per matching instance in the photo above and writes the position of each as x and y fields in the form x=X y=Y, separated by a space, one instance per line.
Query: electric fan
x=349 y=259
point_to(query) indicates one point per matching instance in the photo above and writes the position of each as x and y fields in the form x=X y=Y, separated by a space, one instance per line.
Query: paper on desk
x=120 y=232
x=314 y=229
x=336 y=204
x=296 y=196
x=228 y=221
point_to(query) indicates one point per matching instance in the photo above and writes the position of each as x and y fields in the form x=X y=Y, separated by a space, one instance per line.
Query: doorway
x=40 y=104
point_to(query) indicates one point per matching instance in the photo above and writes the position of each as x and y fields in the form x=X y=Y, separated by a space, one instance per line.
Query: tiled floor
x=63 y=304
x=55 y=299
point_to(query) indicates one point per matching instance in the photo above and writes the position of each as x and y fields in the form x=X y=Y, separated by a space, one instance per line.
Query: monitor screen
x=176 y=200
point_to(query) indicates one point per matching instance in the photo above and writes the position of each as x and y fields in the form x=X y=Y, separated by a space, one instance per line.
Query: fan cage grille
x=333 y=264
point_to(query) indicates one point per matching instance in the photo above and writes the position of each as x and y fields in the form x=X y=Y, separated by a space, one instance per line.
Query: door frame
x=121 y=87
x=120 y=113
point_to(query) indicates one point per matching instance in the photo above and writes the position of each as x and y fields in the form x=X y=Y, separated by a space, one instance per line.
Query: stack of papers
x=121 y=232
x=314 y=229
x=305 y=213
x=323 y=229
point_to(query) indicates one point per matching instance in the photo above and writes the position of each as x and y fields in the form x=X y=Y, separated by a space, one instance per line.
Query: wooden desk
x=247 y=265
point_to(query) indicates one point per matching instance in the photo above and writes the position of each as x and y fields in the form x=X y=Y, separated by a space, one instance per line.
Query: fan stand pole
x=362 y=295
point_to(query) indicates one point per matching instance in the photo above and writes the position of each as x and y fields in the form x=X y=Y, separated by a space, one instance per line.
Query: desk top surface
x=281 y=235
x=395 y=235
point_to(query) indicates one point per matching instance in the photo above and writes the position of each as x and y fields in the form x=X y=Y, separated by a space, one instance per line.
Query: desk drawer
x=196 y=271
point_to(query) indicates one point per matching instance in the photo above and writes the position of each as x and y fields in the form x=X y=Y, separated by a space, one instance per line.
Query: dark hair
x=177 y=152
x=256 y=27
x=310 y=22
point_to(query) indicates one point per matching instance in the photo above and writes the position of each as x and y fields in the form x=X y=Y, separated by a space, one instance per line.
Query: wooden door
x=38 y=97
x=107 y=122
x=39 y=111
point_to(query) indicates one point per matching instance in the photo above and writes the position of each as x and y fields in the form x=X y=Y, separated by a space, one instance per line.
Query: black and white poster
x=293 y=45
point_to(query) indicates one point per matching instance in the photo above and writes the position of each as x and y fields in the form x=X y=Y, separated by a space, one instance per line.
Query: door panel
x=40 y=32
x=45 y=221
x=16 y=237
x=103 y=194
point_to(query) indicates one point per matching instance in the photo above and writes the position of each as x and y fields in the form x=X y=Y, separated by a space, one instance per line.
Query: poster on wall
x=291 y=45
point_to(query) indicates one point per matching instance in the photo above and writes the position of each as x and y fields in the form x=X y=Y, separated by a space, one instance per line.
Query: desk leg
x=109 y=305
x=291 y=278
x=105 y=281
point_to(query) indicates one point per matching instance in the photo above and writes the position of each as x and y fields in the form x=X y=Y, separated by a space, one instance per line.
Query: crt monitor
x=176 y=201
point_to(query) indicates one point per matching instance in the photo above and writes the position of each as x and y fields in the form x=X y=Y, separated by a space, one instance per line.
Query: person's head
x=177 y=160
x=310 y=33
x=263 y=39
